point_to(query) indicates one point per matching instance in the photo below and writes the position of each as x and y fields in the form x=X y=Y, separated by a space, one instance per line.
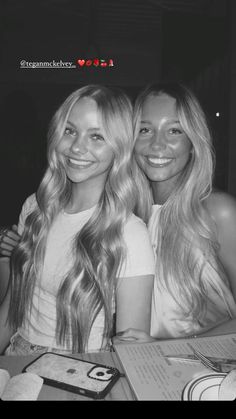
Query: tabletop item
x=227 y=390
x=20 y=387
x=207 y=362
x=215 y=386
x=76 y=375
x=203 y=388
x=215 y=363
x=154 y=376
x=192 y=357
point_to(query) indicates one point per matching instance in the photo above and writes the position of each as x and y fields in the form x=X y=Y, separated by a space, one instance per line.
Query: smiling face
x=86 y=155
x=162 y=148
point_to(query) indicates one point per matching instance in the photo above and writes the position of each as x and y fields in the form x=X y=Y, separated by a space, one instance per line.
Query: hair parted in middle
x=186 y=229
x=98 y=248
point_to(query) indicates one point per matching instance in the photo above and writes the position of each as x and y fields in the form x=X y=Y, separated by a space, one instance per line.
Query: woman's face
x=162 y=148
x=86 y=155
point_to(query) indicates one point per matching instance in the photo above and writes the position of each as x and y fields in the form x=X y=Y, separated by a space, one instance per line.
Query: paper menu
x=219 y=346
x=154 y=377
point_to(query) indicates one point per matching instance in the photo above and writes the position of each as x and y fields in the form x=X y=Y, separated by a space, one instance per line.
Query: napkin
x=25 y=386
x=227 y=390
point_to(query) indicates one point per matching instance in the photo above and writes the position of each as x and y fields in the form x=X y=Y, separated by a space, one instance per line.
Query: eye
x=175 y=131
x=144 y=130
x=97 y=137
x=70 y=131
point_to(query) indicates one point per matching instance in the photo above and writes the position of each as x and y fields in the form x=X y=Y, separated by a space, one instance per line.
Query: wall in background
x=187 y=40
x=232 y=107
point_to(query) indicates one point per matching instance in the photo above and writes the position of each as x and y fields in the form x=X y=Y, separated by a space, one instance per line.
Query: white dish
x=205 y=387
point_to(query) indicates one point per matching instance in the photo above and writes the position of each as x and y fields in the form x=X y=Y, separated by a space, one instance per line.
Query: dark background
x=192 y=41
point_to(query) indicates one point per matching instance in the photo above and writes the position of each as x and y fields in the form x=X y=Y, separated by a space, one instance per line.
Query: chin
x=157 y=177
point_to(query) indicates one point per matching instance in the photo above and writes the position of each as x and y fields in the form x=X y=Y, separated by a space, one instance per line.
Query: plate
x=205 y=387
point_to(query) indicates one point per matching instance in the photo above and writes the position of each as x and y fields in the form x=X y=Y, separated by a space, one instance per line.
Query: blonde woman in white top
x=191 y=225
x=83 y=256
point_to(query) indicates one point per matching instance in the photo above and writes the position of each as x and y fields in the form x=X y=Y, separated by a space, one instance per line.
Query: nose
x=79 y=144
x=158 y=140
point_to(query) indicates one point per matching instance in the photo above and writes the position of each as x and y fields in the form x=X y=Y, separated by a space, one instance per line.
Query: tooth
x=80 y=163
x=158 y=161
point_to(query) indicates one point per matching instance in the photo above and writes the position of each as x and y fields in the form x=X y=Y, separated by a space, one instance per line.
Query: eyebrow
x=175 y=121
x=90 y=129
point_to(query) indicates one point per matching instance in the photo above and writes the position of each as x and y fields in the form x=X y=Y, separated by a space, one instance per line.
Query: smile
x=158 y=162
x=79 y=163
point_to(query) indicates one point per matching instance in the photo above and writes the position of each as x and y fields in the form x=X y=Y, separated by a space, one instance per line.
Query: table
x=120 y=391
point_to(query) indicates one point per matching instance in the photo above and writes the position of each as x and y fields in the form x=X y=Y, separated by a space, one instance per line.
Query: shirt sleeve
x=27 y=207
x=140 y=256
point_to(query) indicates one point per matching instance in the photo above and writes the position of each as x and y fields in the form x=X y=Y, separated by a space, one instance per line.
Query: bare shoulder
x=222 y=207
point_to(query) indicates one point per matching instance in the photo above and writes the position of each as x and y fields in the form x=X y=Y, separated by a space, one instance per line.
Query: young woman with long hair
x=84 y=258
x=192 y=225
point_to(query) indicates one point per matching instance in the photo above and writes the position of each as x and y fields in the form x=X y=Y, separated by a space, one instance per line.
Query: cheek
x=106 y=155
x=137 y=152
x=138 y=148
x=110 y=159
x=182 y=148
x=62 y=145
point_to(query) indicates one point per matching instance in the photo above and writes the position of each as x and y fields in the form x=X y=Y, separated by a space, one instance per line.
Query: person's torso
x=168 y=318
x=40 y=326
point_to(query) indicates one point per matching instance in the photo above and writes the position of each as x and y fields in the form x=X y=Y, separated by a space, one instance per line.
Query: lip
x=79 y=163
x=157 y=161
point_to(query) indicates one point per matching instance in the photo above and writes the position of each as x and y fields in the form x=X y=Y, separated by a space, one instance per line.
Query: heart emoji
x=81 y=62
x=96 y=62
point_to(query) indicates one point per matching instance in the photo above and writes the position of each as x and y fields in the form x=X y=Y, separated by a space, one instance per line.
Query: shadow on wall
x=22 y=157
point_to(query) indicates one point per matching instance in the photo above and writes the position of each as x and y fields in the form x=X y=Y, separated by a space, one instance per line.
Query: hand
x=8 y=241
x=132 y=336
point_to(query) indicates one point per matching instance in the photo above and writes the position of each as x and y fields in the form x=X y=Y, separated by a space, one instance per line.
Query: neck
x=161 y=191
x=82 y=199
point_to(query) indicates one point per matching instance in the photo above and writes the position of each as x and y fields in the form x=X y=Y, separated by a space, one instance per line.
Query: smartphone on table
x=76 y=375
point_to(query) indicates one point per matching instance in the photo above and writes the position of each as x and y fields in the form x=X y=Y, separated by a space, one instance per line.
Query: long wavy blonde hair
x=185 y=228
x=98 y=248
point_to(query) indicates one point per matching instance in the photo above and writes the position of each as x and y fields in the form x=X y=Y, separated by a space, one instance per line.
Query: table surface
x=120 y=391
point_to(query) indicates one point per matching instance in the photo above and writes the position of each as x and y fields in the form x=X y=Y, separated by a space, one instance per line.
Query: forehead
x=158 y=107
x=84 y=108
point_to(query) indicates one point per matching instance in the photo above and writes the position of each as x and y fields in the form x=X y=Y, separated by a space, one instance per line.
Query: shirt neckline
x=70 y=214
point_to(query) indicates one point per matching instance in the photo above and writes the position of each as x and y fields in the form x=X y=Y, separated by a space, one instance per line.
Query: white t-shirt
x=168 y=319
x=41 y=324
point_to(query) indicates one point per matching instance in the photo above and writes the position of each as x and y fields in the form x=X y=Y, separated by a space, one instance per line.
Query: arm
x=222 y=208
x=9 y=241
x=5 y=330
x=4 y=277
x=14 y=236
x=132 y=335
x=133 y=303
x=222 y=329
x=7 y=245
x=135 y=284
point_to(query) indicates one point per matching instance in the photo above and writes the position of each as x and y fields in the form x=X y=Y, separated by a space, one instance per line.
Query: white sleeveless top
x=168 y=319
